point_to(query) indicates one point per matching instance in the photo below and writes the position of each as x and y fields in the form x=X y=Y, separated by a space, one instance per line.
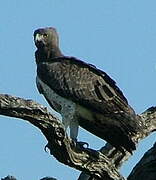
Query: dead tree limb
x=146 y=168
x=60 y=145
x=9 y=178
x=93 y=163
x=13 y=178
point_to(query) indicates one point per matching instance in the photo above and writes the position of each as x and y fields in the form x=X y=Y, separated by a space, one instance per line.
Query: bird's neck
x=45 y=54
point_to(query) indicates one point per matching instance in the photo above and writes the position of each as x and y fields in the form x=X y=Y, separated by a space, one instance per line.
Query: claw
x=46 y=148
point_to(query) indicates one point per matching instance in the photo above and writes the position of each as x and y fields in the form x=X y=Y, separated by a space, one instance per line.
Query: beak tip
x=38 y=38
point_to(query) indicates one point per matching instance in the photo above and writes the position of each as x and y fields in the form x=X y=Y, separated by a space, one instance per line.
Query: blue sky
x=117 y=36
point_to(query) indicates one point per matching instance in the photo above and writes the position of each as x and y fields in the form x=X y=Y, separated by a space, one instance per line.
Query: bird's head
x=46 y=38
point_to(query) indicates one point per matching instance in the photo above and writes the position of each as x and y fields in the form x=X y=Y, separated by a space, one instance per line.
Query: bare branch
x=60 y=145
x=146 y=168
x=48 y=178
x=9 y=178
x=13 y=178
x=93 y=163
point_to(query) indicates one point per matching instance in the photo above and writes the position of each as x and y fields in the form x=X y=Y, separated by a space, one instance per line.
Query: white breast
x=60 y=104
x=70 y=111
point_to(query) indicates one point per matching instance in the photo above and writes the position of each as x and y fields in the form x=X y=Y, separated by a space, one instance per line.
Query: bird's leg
x=66 y=123
x=67 y=114
x=74 y=127
x=70 y=120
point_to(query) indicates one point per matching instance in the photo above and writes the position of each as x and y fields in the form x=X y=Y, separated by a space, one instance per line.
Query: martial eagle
x=83 y=94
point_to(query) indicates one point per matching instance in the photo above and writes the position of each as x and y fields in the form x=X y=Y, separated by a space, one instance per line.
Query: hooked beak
x=38 y=38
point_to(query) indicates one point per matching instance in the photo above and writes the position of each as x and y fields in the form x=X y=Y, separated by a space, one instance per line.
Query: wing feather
x=84 y=84
x=114 y=119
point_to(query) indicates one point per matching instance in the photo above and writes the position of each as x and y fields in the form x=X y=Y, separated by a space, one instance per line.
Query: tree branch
x=146 y=168
x=93 y=163
x=9 y=178
x=60 y=145
x=13 y=178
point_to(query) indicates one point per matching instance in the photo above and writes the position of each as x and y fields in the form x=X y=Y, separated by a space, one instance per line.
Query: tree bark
x=13 y=178
x=101 y=164
x=146 y=168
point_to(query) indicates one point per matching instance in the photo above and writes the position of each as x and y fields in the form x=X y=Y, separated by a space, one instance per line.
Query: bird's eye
x=45 y=35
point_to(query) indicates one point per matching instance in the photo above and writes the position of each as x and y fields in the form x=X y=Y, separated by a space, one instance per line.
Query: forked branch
x=94 y=163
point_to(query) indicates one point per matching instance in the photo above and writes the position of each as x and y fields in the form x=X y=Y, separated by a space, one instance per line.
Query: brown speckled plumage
x=91 y=91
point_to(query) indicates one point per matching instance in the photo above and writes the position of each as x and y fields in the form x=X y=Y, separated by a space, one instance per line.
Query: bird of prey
x=83 y=94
